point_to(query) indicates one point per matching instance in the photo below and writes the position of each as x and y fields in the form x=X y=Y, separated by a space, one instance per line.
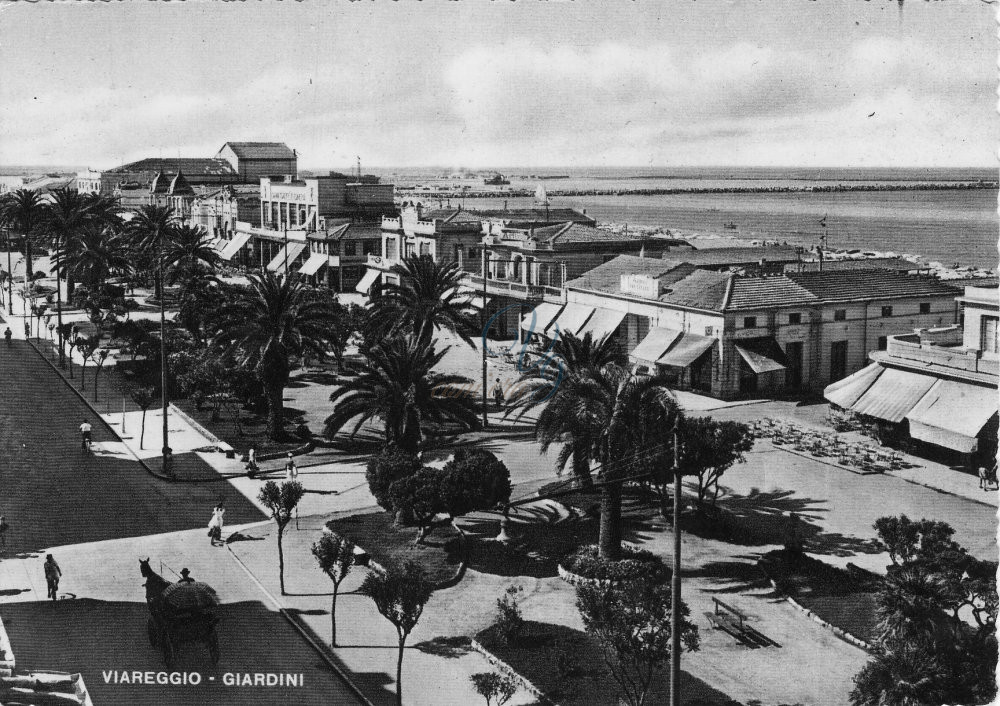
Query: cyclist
x=85 y=435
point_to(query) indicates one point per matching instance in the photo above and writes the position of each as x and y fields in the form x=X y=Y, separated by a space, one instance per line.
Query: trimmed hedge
x=635 y=563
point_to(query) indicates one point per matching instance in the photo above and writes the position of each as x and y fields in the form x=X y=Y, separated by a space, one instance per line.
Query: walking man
x=7 y=334
x=291 y=471
x=52 y=575
x=498 y=394
x=984 y=478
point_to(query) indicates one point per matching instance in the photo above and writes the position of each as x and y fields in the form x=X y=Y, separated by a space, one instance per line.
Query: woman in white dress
x=216 y=523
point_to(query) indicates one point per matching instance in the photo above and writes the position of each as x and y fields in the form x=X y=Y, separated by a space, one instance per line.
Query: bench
x=727 y=618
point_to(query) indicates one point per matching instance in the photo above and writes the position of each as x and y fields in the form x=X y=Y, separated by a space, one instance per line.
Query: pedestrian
x=216 y=523
x=7 y=334
x=52 y=575
x=291 y=472
x=984 y=478
x=27 y=330
x=252 y=467
x=186 y=576
x=498 y=394
x=3 y=531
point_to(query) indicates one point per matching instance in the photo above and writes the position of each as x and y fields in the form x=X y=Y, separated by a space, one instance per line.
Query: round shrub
x=385 y=468
x=634 y=564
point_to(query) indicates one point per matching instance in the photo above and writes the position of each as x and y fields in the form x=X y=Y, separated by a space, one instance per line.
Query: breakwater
x=465 y=192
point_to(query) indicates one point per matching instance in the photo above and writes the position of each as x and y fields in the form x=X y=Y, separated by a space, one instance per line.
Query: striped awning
x=602 y=324
x=313 y=264
x=571 y=319
x=893 y=395
x=539 y=318
x=686 y=350
x=846 y=391
x=763 y=355
x=367 y=281
x=655 y=344
x=287 y=254
x=952 y=414
x=235 y=245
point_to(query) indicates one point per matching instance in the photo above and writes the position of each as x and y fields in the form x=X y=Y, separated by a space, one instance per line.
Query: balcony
x=514 y=289
x=907 y=349
x=377 y=262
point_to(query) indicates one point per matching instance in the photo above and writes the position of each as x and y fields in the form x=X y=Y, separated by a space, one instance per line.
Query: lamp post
x=486 y=263
x=163 y=358
x=675 y=580
x=10 y=278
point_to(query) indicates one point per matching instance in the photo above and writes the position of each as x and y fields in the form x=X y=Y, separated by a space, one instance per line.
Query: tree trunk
x=581 y=468
x=62 y=353
x=27 y=258
x=333 y=616
x=142 y=431
x=281 y=561
x=83 y=375
x=70 y=286
x=399 y=672
x=610 y=538
x=275 y=412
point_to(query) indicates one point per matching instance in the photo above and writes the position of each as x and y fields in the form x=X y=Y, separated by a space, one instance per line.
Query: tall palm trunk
x=27 y=257
x=62 y=354
x=581 y=467
x=275 y=411
x=610 y=539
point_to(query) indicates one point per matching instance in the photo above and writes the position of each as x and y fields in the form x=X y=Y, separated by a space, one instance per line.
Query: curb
x=839 y=632
x=198 y=427
x=503 y=666
x=93 y=409
x=945 y=492
x=297 y=451
x=578 y=580
x=323 y=651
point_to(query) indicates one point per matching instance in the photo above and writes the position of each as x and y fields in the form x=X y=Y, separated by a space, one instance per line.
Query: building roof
x=528 y=216
x=715 y=257
x=348 y=231
x=868 y=263
x=701 y=289
x=767 y=292
x=197 y=166
x=961 y=284
x=260 y=150
x=571 y=233
x=607 y=277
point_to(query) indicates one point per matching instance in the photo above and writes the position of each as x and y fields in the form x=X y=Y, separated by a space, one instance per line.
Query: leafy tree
x=335 y=555
x=472 y=480
x=385 y=468
x=631 y=621
x=397 y=386
x=202 y=376
x=143 y=397
x=708 y=449
x=99 y=358
x=497 y=689
x=264 y=325
x=280 y=501
x=86 y=346
x=400 y=595
x=23 y=211
x=924 y=540
x=426 y=296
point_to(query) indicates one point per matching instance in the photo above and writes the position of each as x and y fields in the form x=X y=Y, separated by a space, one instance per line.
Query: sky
x=526 y=83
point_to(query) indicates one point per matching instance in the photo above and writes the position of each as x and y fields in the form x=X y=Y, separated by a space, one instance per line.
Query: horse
x=155 y=584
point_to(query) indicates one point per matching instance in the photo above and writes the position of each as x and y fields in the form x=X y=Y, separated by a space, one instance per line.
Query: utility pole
x=10 y=279
x=483 y=319
x=285 y=249
x=675 y=581
x=163 y=360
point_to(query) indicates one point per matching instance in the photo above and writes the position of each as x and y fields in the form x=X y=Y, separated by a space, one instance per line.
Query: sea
x=950 y=226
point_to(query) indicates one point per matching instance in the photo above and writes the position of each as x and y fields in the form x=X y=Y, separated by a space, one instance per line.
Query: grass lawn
x=439 y=555
x=254 y=429
x=841 y=598
x=569 y=667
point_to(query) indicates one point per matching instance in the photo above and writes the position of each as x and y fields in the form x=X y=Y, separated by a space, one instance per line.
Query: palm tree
x=266 y=323
x=909 y=676
x=426 y=297
x=93 y=255
x=398 y=387
x=910 y=606
x=23 y=211
x=188 y=254
x=67 y=216
x=619 y=419
x=569 y=356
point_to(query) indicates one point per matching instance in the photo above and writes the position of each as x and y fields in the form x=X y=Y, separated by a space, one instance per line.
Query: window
x=838 y=360
x=886 y=311
x=925 y=307
x=988 y=341
x=350 y=248
x=795 y=318
x=840 y=315
x=749 y=322
x=883 y=343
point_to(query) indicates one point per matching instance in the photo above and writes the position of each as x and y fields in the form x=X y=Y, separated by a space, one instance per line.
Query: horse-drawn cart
x=179 y=613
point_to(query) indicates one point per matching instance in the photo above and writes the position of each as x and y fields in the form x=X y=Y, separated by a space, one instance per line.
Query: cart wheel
x=213 y=648
x=151 y=631
x=168 y=650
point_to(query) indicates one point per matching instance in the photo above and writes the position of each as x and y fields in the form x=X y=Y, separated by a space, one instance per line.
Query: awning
x=313 y=264
x=686 y=350
x=367 y=281
x=952 y=414
x=602 y=324
x=537 y=320
x=763 y=355
x=655 y=344
x=479 y=302
x=846 y=391
x=572 y=319
x=235 y=245
x=893 y=395
x=287 y=254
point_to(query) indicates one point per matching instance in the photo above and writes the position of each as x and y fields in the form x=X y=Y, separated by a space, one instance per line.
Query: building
x=197 y=171
x=219 y=210
x=288 y=202
x=172 y=191
x=731 y=335
x=936 y=387
x=88 y=182
x=252 y=160
x=763 y=260
x=338 y=254
x=897 y=264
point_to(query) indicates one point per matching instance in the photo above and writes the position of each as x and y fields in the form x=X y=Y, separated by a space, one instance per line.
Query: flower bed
x=584 y=565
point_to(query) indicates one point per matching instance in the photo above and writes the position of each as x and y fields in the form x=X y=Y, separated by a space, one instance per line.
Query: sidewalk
x=431 y=675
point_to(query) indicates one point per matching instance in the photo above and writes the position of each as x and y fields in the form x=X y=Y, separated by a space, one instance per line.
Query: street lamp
x=163 y=357
x=10 y=278
x=675 y=580
x=486 y=264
